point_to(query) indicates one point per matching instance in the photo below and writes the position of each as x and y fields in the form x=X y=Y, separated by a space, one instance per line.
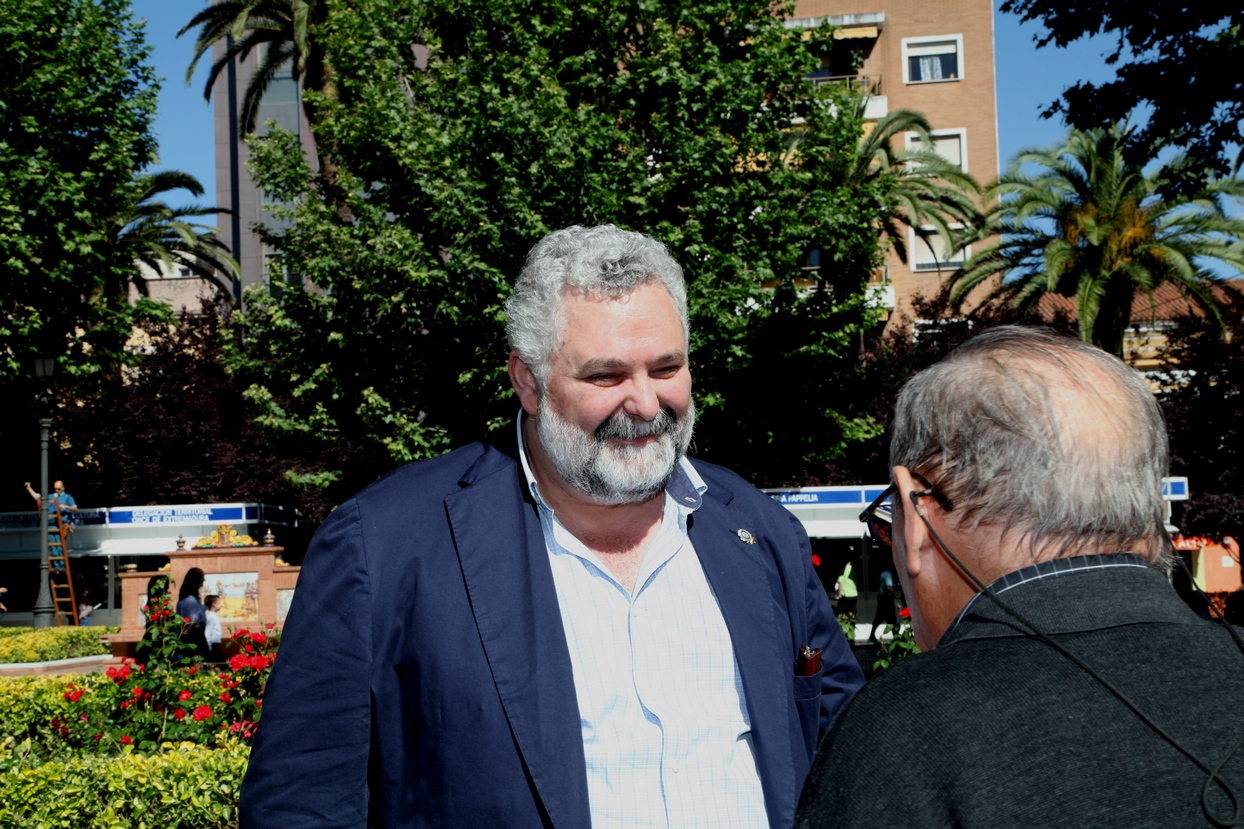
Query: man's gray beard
x=613 y=474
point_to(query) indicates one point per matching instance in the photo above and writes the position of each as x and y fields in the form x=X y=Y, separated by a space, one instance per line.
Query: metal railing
x=864 y=84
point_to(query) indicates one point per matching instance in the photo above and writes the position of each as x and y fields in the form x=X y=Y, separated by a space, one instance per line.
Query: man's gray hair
x=604 y=260
x=1031 y=431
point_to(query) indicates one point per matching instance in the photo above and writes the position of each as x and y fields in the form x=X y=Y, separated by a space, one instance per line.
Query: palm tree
x=151 y=232
x=286 y=31
x=1092 y=226
x=923 y=188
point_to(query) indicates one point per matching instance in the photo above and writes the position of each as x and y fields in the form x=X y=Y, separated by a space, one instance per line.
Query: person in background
x=58 y=498
x=84 y=607
x=212 y=632
x=887 y=612
x=194 y=618
x=3 y=609
x=848 y=593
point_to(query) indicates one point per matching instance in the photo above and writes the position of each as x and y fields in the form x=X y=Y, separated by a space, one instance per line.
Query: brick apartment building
x=936 y=58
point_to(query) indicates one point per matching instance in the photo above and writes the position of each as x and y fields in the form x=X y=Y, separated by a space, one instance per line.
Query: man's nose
x=641 y=401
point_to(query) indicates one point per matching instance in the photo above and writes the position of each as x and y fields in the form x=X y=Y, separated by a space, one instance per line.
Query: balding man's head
x=1042 y=435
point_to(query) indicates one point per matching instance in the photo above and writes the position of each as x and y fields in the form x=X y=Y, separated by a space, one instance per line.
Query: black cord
x=1212 y=774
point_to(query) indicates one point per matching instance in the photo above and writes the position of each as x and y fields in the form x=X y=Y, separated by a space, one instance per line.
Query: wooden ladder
x=60 y=580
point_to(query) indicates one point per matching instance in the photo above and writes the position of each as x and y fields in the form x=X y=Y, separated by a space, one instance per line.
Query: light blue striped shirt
x=666 y=732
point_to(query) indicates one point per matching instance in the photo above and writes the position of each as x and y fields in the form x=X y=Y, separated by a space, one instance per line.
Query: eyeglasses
x=879 y=518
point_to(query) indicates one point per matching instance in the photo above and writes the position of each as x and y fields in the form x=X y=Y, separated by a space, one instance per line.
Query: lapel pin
x=746 y=537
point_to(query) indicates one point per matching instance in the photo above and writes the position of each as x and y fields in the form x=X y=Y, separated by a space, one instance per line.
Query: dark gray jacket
x=995 y=728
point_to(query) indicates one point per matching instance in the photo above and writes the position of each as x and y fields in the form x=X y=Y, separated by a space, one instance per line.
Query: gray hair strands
x=603 y=260
x=1027 y=430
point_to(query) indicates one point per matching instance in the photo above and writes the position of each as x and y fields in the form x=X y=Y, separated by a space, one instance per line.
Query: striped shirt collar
x=685 y=487
x=1045 y=570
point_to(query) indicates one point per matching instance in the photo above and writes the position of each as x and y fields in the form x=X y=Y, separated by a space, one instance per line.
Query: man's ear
x=523 y=379
x=917 y=543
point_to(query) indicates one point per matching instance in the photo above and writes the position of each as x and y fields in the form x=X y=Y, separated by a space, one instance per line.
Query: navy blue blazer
x=424 y=678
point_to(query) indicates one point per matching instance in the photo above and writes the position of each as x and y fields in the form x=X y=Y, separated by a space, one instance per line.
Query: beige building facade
x=934 y=57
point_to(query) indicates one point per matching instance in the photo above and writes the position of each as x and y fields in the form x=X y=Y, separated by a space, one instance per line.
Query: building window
x=926 y=251
x=281 y=102
x=275 y=272
x=951 y=145
x=932 y=59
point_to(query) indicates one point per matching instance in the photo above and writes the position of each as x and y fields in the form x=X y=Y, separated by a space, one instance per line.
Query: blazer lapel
x=748 y=597
x=504 y=564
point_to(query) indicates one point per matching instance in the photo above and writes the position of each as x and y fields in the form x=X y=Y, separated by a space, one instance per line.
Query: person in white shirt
x=571 y=624
x=213 y=632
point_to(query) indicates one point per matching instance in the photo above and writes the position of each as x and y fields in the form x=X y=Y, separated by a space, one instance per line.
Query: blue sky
x=1028 y=79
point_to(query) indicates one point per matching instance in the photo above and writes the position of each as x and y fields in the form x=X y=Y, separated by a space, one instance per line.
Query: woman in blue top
x=194 y=618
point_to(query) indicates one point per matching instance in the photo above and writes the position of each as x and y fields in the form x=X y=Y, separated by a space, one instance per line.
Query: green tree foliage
x=1204 y=408
x=923 y=188
x=285 y=33
x=1180 y=58
x=174 y=430
x=510 y=120
x=1092 y=225
x=76 y=104
x=161 y=237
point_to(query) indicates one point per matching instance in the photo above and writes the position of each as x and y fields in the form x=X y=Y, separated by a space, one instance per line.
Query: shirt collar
x=685 y=487
x=1044 y=570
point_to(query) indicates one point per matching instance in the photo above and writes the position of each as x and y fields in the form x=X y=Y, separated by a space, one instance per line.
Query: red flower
x=271 y=625
x=238 y=662
x=258 y=662
x=905 y=613
x=234 y=728
x=202 y=713
x=240 y=633
x=258 y=638
x=816 y=560
x=179 y=714
x=99 y=737
x=192 y=670
x=186 y=619
x=125 y=704
x=127 y=740
x=184 y=695
x=259 y=703
x=249 y=648
x=225 y=698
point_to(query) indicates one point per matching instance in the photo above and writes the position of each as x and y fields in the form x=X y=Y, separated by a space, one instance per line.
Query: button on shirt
x=666 y=733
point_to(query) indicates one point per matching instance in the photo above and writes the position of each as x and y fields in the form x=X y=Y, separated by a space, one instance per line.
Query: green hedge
x=30 y=645
x=183 y=785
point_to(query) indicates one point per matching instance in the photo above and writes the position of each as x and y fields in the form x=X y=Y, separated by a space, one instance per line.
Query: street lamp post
x=44 y=610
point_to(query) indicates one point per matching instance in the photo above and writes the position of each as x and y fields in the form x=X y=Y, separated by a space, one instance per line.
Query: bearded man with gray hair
x=572 y=626
x=1064 y=683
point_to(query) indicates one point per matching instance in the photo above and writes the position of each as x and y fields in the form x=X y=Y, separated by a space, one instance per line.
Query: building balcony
x=876 y=104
